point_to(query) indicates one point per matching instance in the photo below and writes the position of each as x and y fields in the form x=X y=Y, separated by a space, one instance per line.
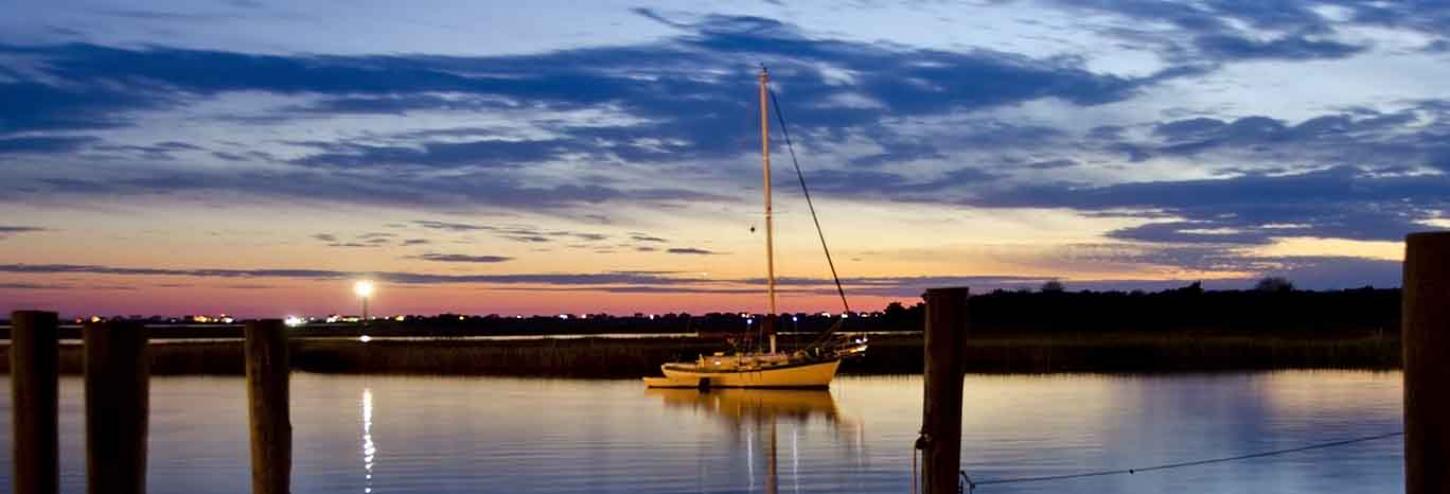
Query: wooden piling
x=1426 y=341
x=34 y=400
x=267 y=397
x=117 y=406
x=941 y=422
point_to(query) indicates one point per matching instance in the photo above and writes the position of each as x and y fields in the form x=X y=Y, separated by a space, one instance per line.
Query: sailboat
x=813 y=366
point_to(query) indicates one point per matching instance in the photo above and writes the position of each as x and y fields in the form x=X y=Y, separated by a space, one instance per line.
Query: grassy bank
x=897 y=354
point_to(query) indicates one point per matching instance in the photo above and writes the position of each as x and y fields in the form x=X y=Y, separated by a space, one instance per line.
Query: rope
x=915 y=472
x=1170 y=466
x=785 y=132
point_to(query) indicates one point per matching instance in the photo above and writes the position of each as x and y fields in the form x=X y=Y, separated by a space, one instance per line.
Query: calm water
x=371 y=434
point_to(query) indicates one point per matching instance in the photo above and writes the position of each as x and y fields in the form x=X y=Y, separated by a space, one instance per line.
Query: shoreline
x=604 y=357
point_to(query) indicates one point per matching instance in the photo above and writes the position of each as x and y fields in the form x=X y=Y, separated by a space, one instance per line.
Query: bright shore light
x=363 y=288
x=294 y=321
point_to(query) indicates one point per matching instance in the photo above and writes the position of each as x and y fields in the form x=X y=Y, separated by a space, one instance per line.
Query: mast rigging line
x=785 y=132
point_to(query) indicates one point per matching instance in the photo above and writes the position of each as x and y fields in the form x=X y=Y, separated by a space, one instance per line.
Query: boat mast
x=769 y=323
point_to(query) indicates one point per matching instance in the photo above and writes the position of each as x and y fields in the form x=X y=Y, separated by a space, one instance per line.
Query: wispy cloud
x=463 y=258
x=6 y=231
x=690 y=251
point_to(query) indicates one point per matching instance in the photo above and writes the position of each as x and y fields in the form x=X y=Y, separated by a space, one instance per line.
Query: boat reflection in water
x=756 y=412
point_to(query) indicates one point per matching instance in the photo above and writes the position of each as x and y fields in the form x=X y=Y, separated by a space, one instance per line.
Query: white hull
x=808 y=375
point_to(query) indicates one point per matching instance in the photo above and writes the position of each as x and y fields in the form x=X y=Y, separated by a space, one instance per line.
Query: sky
x=256 y=157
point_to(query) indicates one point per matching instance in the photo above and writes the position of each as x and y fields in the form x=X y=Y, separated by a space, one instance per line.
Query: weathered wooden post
x=34 y=400
x=1426 y=326
x=267 y=398
x=117 y=405
x=941 y=422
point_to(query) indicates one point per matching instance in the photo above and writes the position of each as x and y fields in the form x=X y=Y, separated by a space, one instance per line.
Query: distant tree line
x=1272 y=305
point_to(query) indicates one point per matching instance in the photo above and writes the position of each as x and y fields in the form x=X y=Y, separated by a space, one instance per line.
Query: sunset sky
x=255 y=157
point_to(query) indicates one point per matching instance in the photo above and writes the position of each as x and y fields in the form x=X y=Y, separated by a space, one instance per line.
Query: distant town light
x=294 y=321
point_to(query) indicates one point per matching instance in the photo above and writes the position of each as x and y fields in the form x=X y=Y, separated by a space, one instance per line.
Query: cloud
x=642 y=237
x=619 y=277
x=43 y=145
x=1338 y=202
x=6 y=231
x=1290 y=47
x=438 y=154
x=463 y=258
x=453 y=227
x=34 y=286
x=1226 y=31
x=690 y=251
x=35 y=105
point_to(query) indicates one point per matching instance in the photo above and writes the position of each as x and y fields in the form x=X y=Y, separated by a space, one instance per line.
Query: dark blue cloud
x=1341 y=202
x=688 y=99
x=1194 y=233
x=1293 y=48
x=664 y=81
x=43 y=145
x=34 y=105
x=1222 y=31
x=496 y=153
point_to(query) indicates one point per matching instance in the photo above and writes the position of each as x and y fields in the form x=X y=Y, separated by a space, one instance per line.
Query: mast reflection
x=758 y=412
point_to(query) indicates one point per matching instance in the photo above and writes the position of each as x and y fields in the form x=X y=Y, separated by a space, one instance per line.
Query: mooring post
x=34 y=400
x=941 y=422
x=117 y=405
x=1426 y=340
x=267 y=409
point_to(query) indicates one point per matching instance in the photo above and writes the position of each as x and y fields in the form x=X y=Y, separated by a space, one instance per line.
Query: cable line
x=972 y=485
x=785 y=132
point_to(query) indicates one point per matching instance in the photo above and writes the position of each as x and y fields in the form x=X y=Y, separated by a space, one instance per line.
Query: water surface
x=415 y=435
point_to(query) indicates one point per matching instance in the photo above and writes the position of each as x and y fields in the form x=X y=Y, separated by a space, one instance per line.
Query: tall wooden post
x=1426 y=327
x=117 y=405
x=267 y=398
x=941 y=422
x=34 y=400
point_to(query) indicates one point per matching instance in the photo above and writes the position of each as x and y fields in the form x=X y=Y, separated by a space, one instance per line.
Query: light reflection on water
x=533 y=435
x=369 y=449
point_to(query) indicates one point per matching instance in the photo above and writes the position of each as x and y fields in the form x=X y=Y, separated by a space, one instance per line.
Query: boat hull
x=805 y=375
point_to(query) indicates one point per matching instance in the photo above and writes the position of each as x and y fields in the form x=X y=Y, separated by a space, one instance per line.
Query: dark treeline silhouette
x=1272 y=306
